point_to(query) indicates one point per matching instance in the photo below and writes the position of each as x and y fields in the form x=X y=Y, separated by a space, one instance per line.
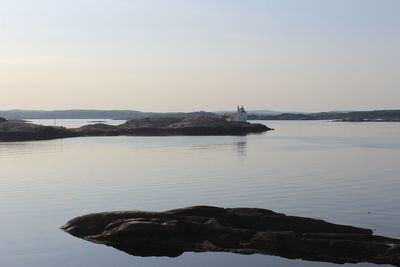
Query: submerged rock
x=237 y=230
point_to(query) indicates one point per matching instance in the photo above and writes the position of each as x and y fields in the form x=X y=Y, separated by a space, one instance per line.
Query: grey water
x=345 y=173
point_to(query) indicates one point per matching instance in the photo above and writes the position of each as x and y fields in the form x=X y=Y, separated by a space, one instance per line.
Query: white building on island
x=240 y=115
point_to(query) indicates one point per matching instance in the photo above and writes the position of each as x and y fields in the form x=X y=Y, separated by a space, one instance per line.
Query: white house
x=240 y=115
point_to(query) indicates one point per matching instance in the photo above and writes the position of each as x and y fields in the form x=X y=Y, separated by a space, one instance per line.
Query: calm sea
x=341 y=172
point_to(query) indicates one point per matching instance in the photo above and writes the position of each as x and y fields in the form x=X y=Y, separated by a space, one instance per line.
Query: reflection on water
x=16 y=149
x=241 y=148
x=238 y=146
x=341 y=172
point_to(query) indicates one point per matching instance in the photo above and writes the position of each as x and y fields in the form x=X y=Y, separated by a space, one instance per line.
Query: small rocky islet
x=237 y=230
x=157 y=126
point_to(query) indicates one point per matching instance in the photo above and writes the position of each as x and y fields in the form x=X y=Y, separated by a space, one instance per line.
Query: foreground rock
x=237 y=230
x=20 y=131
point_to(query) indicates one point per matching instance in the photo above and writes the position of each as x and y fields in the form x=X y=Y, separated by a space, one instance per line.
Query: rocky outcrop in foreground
x=237 y=230
x=21 y=131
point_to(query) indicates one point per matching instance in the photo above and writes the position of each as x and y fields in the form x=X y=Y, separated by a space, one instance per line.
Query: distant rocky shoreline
x=237 y=230
x=359 y=116
x=351 y=116
x=158 y=126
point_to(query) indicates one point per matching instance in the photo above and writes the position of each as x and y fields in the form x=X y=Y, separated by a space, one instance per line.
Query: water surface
x=341 y=172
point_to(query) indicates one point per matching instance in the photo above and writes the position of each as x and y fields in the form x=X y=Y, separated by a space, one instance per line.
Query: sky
x=184 y=55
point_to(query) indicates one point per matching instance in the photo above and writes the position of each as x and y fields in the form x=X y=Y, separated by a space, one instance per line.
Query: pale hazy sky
x=170 y=55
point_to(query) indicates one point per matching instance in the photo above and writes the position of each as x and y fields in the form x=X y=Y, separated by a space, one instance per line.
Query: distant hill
x=72 y=114
x=374 y=115
x=258 y=112
x=94 y=114
x=255 y=112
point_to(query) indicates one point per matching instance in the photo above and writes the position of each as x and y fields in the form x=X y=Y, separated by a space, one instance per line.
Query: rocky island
x=237 y=230
x=157 y=126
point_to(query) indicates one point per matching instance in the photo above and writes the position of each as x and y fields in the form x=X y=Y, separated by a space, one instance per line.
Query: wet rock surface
x=21 y=131
x=237 y=230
